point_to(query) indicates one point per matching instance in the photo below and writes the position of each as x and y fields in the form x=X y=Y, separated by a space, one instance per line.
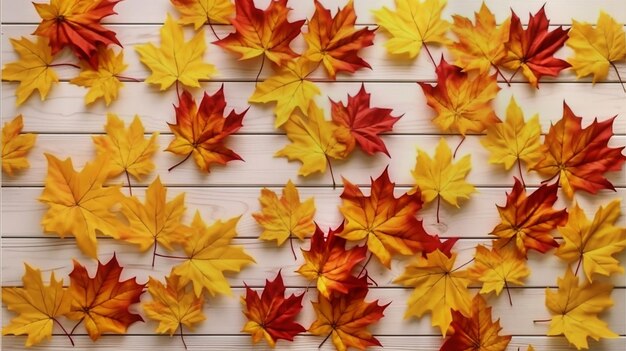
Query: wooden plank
x=64 y=109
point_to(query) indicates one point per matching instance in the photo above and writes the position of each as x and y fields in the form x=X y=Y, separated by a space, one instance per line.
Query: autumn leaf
x=209 y=254
x=76 y=24
x=38 y=306
x=290 y=88
x=157 y=222
x=578 y=156
x=345 y=318
x=176 y=60
x=439 y=289
x=78 y=203
x=15 y=146
x=285 y=217
x=272 y=316
x=593 y=243
x=330 y=264
x=498 y=268
x=103 y=82
x=265 y=33
x=575 y=310
x=531 y=50
x=596 y=48
x=313 y=141
x=102 y=303
x=462 y=102
x=413 y=25
x=514 y=140
x=129 y=150
x=173 y=305
x=480 y=46
x=201 y=12
x=33 y=69
x=362 y=122
x=527 y=220
x=386 y=223
x=477 y=332
x=201 y=131
x=335 y=41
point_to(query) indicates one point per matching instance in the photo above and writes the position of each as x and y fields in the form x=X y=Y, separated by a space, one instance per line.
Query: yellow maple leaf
x=290 y=88
x=438 y=288
x=38 y=306
x=313 y=141
x=176 y=60
x=209 y=255
x=413 y=25
x=497 y=268
x=575 y=310
x=129 y=150
x=285 y=217
x=201 y=12
x=103 y=82
x=78 y=203
x=15 y=146
x=593 y=243
x=32 y=69
x=514 y=140
x=596 y=48
x=173 y=305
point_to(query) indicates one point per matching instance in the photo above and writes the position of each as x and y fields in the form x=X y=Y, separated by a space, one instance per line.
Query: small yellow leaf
x=201 y=12
x=15 y=146
x=103 y=82
x=498 y=268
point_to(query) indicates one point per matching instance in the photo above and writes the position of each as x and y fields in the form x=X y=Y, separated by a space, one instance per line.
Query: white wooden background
x=65 y=127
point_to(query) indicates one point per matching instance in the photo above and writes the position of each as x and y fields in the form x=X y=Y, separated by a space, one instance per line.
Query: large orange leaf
x=262 y=32
x=272 y=316
x=578 y=156
x=102 y=303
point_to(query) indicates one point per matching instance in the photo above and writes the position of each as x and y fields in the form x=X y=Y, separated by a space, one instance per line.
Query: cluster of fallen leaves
x=381 y=224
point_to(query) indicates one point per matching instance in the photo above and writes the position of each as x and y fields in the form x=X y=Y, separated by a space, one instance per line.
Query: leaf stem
x=178 y=92
x=438 y=206
x=76 y=326
x=182 y=336
x=64 y=64
x=429 y=54
x=521 y=176
x=365 y=265
x=327 y=336
x=208 y=21
x=293 y=251
x=618 y=76
x=256 y=80
x=458 y=146
x=508 y=292
x=332 y=174
x=542 y=320
x=130 y=187
x=128 y=79
x=154 y=247
x=514 y=73
x=179 y=163
x=463 y=265
x=170 y=256
x=69 y=336
x=498 y=71
x=580 y=260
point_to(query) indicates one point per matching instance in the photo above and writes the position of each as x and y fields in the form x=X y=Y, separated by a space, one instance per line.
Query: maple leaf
x=528 y=220
x=363 y=123
x=596 y=48
x=209 y=255
x=33 y=69
x=593 y=243
x=78 y=204
x=129 y=151
x=103 y=82
x=531 y=50
x=38 y=306
x=290 y=88
x=285 y=217
x=313 y=141
x=575 y=310
x=76 y=23
x=497 y=268
x=155 y=222
x=578 y=156
x=476 y=332
x=413 y=25
x=462 y=102
x=102 y=303
x=345 y=318
x=265 y=33
x=514 y=140
x=15 y=146
x=335 y=42
x=201 y=12
x=438 y=178
x=173 y=306
x=438 y=288
x=272 y=316
x=480 y=46
x=201 y=131
x=176 y=60
x=388 y=224
x=328 y=262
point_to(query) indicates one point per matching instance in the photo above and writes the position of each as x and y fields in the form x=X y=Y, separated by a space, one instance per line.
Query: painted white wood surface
x=65 y=125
